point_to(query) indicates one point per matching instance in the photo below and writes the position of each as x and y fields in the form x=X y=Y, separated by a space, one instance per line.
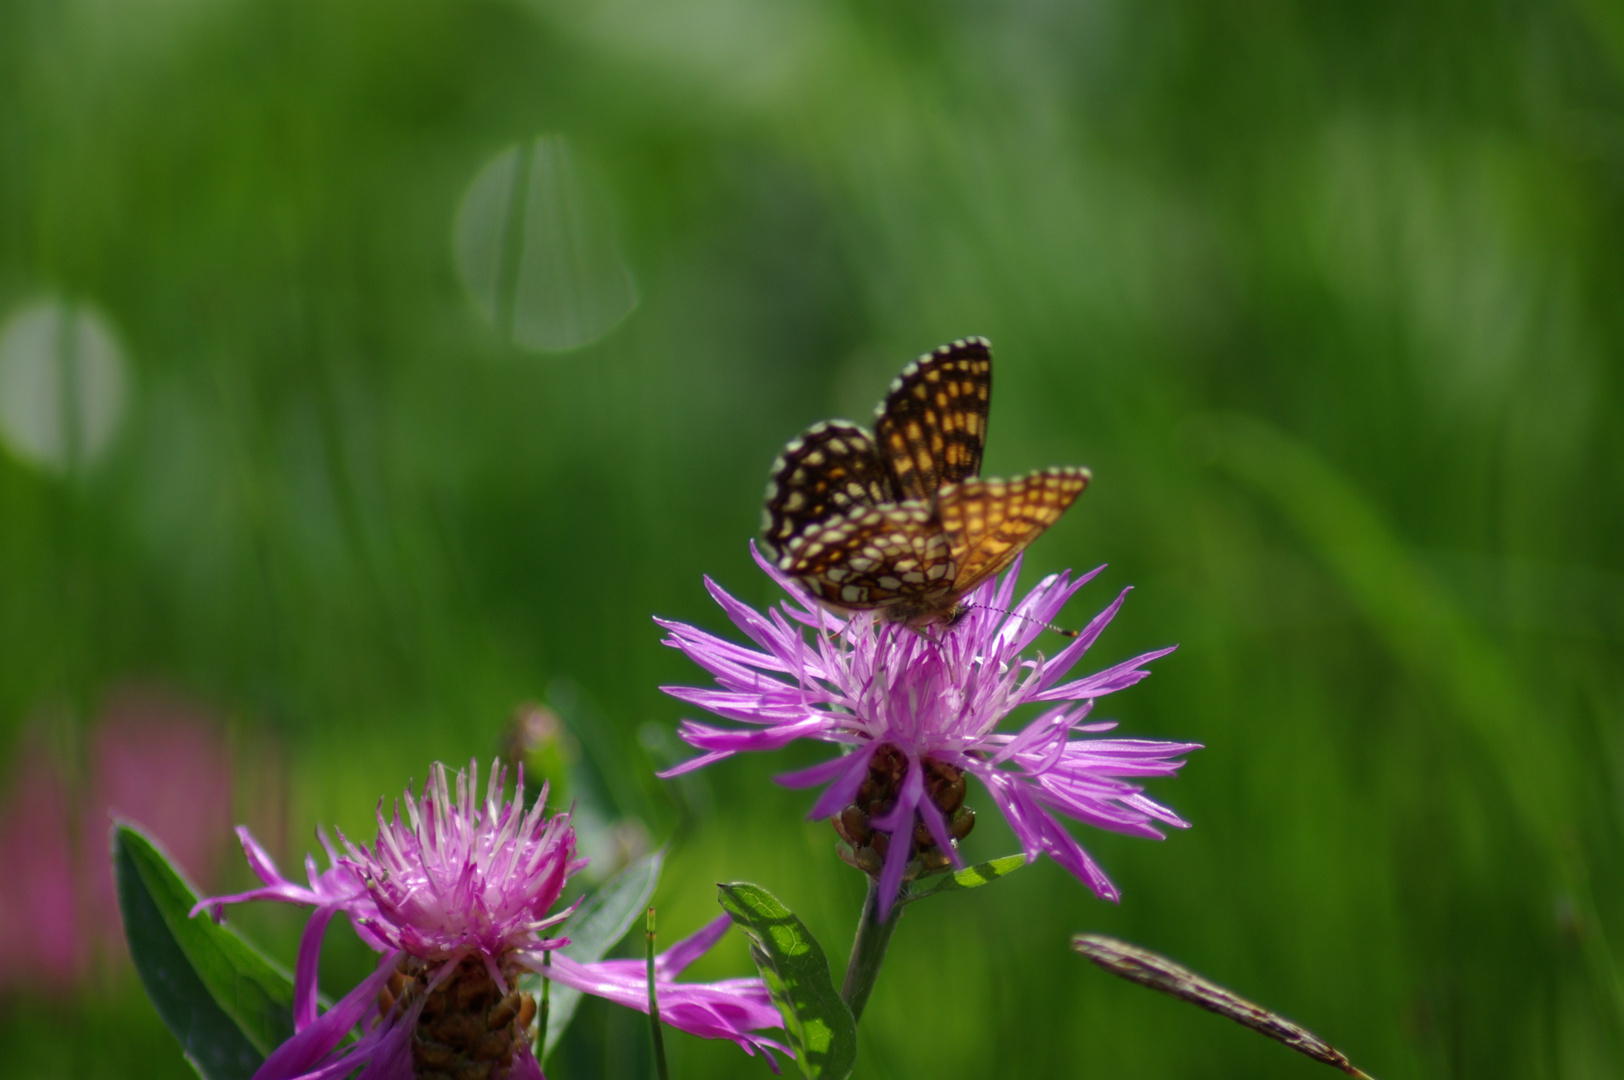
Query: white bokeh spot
x=62 y=384
x=534 y=244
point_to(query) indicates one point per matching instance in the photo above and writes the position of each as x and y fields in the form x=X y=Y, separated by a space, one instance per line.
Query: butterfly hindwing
x=830 y=468
x=873 y=556
x=989 y=522
x=932 y=425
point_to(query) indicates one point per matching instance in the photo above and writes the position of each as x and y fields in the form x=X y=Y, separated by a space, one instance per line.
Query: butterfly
x=898 y=521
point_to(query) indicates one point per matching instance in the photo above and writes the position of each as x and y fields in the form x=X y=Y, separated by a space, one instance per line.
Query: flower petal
x=1118 y=677
x=305 y=991
x=844 y=790
x=306 y=1048
x=731 y=1009
x=676 y=959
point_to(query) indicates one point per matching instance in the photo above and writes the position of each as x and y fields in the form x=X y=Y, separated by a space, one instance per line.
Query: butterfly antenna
x=836 y=635
x=1061 y=630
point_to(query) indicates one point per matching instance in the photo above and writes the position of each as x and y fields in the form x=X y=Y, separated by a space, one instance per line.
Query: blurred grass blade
x=602 y=919
x=1414 y=616
x=1159 y=973
x=819 y=1025
x=971 y=877
x=1424 y=630
x=228 y=1005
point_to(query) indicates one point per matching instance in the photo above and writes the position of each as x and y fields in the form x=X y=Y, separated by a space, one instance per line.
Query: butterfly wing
x=832 y=467
x=874 y=556
x=989 y=522
x=932 y=425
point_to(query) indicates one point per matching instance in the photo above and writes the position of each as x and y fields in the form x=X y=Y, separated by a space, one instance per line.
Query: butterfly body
x=898 y=521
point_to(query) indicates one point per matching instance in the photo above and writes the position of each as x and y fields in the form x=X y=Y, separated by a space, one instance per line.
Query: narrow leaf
x=1159 y=973
x=602 y=919
x=227 y=1004
x=819 y=1026
x=971 y=877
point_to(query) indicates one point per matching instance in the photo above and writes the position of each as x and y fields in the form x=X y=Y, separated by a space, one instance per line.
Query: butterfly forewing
x=874 y=556
x=832 y=467
x=932 y=425
x=989 y=522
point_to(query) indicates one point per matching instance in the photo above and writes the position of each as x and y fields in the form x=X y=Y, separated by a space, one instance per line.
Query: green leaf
x=227 y=1004
x=819 y=1025
x=602 y=919
x=971 y=877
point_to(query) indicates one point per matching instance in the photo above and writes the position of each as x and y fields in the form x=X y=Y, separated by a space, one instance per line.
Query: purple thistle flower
x=456 y=897
x=916 y=713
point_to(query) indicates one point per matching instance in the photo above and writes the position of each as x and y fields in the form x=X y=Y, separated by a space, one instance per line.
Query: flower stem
x=541 y=1011
x=868 y=950
x=660 y=1066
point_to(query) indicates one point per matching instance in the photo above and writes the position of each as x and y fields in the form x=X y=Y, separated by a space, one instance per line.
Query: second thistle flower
x=456 y=895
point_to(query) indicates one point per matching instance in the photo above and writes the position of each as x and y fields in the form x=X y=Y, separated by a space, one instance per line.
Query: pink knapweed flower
x=918 y=711
x=154 y=760
x=42 y=936
x=159 y=761
x=456 y=896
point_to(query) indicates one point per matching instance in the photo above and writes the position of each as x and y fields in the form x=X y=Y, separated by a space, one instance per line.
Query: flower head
x=916 y=713
x=456 y=895
x=457 y=877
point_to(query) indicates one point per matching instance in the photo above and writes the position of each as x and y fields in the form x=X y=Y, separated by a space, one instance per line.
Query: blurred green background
x=1328 y=296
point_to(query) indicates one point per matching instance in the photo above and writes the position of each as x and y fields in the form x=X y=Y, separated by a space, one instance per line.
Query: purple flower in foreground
x=455 y=897
x=916 y=713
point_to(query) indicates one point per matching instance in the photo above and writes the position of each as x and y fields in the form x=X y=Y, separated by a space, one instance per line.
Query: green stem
x=660 y=1066
x=542 y=1009
x=868 y=950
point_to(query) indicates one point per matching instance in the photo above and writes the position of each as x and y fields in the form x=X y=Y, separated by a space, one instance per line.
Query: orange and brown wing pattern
x=874 y=557
x=898 y=522
x=989 y=522
x=830 y=468
x=932 y=425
